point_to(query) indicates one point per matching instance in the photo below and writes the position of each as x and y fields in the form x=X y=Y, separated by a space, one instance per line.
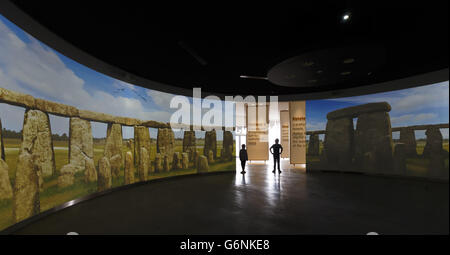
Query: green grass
x=52 y=195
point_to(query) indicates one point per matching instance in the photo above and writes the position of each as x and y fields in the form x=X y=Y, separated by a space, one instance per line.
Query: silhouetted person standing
x=276 y=151
x=243 y=157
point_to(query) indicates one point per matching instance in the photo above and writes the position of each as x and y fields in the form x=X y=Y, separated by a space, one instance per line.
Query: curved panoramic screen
x=67 y=131
x=402 y=133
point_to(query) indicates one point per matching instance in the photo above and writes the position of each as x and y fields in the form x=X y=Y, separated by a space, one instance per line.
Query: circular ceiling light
x=346 y=17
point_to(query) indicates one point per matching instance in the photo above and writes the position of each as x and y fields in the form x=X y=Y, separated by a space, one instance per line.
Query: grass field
x=414 y=166
x=52 y=195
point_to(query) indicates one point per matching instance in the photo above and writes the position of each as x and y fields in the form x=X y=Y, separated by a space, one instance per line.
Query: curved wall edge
x=28 y=24
x=19 y=225
x=404 y=83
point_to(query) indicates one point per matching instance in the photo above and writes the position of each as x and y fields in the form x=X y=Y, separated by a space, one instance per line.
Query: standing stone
x=203 y=166
x=65 y=180
x=210 y=157
x=116 y=164
x=436 y=167
x=196 y=155
x=436 y=154
x=210 y=143
x=338 y=144
x=130 y=146
x=165 y=142
x=176 y=164
x=144 y=163
x=373 y=143
x=141 y=139
x=400 y=155
x=166 y=163
x=5 y=184
x=67 y=175
x=185 y=160
x=189 y=144
x=2 y=146
x=129 y=168
x=151 y=168
x=433 y=143
x=158 y=163
x=313 y=145
x=408 y=138
x=227 y=146
x=37 y=140
x=90 y=173
x=26 y=188
x=113 y=148
x=104 y=181
x=81 y=143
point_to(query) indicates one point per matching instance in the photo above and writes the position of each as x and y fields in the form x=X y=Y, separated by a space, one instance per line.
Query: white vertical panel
x=297 y=115
x=284 y=133
x=257 y=134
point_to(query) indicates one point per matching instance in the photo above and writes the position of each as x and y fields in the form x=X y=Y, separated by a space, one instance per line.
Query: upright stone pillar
x=144 y=164
x=129 y=168
x=37 y=140
x=435 y=154
x=313 y=145
x=166 y=163
x=165 y=143
x=2 y=147
x=158 y=163
x=338 y=144
x=408 y=138
x=185 y=160
x=141 y=139
x=210 y=157
x=210 y=143
x=113 y=148
x=177 y=161
x=104 y=181
x=26 y=188
x=6 y=191
x=373 y=143
x=81 y=143
x=189 y=144
x=433 y=143
x=202 y=165
x=130 y=146
x=227 y=146
x=90 y=173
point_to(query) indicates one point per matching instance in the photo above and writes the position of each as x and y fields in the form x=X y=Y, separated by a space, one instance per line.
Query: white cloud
x=313 y=125
x=32 y=68
x=161 y=99
x=413 y=119
x=408 y=100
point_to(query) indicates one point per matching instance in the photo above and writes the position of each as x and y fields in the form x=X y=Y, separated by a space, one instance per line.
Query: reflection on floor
x=261 y=202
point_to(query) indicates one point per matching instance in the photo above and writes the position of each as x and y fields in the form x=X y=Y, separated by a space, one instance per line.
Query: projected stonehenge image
x=361 y=139
x=35 y=176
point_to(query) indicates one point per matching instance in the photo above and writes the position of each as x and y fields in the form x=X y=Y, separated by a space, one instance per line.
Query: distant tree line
x=6 y=133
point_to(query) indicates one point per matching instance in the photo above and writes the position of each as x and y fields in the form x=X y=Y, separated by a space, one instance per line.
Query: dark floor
x=261 y=203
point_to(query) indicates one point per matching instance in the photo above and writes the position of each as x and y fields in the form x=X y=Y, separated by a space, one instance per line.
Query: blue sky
x=29 y=66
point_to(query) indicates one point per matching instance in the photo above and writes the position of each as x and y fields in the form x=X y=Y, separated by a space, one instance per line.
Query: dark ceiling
x=210 y=46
